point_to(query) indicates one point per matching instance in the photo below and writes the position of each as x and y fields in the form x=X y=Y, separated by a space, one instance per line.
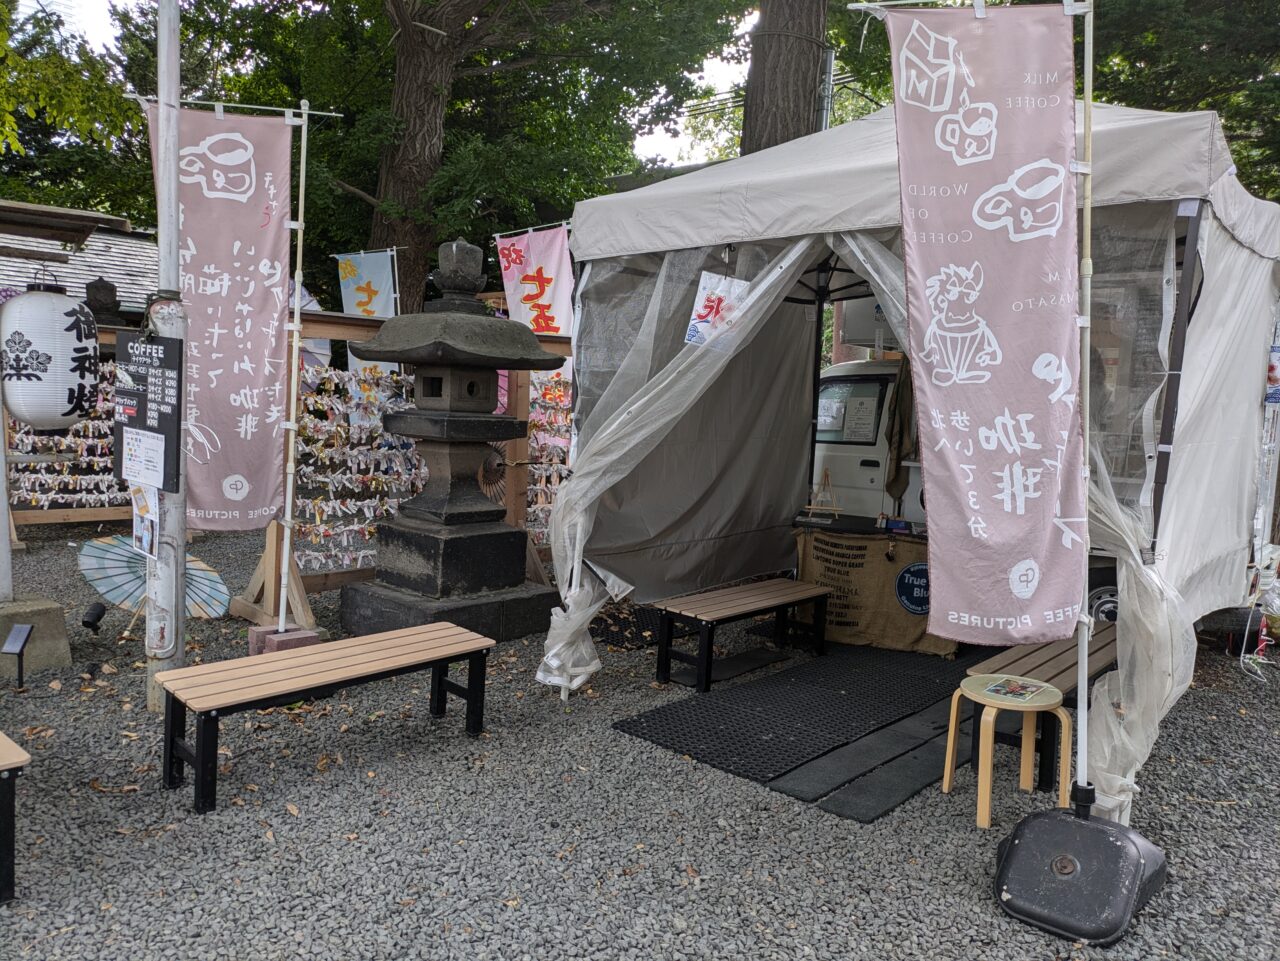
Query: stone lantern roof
x=457 y=331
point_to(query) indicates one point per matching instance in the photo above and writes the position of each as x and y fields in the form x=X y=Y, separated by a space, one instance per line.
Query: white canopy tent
x=692 y=460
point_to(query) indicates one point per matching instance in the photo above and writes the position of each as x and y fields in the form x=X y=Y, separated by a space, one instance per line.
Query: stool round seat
x=1007 y=692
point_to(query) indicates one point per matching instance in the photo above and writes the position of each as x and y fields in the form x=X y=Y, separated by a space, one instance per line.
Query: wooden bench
x=1053 y=664
x=709 y=610
x=212 y=691
x=12 y=760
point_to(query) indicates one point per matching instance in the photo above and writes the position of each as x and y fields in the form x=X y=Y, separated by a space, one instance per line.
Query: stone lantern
x=448 y=555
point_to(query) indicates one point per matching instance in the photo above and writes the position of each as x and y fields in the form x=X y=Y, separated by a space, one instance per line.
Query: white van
x=853 y=442
x=853 y=448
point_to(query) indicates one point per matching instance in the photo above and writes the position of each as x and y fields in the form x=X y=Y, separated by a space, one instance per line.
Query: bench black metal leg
x=706 y=637
x=206 y=761
x=175 y=728
x=666 y=626
x=8 y=830
x=1049 y=733
x=476 y=664
x=780 y=625
x=439 y=695
x=820 y=626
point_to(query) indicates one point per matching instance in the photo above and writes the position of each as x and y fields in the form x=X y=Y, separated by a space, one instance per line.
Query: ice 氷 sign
x=985 y=111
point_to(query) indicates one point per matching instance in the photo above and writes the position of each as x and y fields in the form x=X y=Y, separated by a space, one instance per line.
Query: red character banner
x=985 y=112
x=235 y=196
x=537 y=275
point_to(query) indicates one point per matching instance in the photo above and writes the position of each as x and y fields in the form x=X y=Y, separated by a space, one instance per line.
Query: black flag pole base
x=1078 y=877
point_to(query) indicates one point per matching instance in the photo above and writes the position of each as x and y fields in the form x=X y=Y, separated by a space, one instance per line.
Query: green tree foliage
x=1221 y=55
x=535 y=118
x=46 y=76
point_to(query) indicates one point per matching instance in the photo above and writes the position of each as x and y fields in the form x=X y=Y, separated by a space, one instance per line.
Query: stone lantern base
x=504 y=615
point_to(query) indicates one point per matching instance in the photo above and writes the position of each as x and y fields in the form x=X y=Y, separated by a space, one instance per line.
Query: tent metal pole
x=1084 y=629
x=821 y=289
x=1173 y=378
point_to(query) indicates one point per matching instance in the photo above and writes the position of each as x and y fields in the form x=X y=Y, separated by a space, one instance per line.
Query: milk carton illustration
x=927 y=64
x=958 y=343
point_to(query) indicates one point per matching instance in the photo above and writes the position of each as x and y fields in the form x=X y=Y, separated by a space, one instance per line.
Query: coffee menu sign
x=985 y=112
x=148 y=409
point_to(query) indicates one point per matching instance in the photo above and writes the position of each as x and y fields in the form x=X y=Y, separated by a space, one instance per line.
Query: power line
x=730 y=99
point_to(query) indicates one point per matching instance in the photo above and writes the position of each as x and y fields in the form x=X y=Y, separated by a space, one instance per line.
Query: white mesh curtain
x=640 y=395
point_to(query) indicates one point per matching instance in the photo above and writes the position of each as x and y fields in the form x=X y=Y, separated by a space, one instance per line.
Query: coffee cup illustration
x=1028 y=204
x=969 y=134
x=222 y=165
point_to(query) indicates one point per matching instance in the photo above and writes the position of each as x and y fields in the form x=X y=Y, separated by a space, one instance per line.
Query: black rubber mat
x=876 y=794
x=761 y=729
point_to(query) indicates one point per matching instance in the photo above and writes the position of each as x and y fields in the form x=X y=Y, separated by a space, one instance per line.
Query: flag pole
x=292 y=378
x=1082 y=792
x=166 y=575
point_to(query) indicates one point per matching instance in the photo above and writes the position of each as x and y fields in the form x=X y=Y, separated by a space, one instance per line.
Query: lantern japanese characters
x=48 y=358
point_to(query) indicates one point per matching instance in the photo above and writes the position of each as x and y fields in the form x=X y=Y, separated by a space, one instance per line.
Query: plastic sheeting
x=1206 y=521
x=691 y=458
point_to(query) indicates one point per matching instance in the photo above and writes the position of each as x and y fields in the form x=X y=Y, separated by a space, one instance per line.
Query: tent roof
x=846 y=178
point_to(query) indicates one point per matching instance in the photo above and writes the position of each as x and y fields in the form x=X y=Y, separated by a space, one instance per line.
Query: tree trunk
x=787 y=49
x=420 y=96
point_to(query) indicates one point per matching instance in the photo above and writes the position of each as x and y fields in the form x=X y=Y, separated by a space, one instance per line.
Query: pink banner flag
x=985 y=112
x=235 y=196
x=537 y=275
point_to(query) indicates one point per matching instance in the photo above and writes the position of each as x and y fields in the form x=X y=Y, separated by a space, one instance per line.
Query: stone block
x=444 y=561
x=288 y=640
x=372 y=606
x=453 y=427
x=48 y=647
x=258 y=634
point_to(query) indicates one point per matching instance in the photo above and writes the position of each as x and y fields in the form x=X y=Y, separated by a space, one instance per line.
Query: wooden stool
x=1007 y=692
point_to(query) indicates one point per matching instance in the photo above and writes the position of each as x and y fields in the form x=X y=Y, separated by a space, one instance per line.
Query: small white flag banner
x=537 y=275
x=713 y=306
x=368 y=281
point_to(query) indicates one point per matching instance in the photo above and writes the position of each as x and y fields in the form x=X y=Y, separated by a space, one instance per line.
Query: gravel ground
x=361 y=828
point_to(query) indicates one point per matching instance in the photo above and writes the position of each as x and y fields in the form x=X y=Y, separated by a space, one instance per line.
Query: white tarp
x=654 y=493
x=846 y=178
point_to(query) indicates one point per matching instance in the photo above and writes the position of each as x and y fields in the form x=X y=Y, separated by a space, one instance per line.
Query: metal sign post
x=166 y=576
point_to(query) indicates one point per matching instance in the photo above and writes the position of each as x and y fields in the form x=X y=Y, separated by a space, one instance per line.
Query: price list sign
x=148 y=410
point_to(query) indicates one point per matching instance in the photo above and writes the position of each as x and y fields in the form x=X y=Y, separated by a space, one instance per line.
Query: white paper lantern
x=49 y=358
